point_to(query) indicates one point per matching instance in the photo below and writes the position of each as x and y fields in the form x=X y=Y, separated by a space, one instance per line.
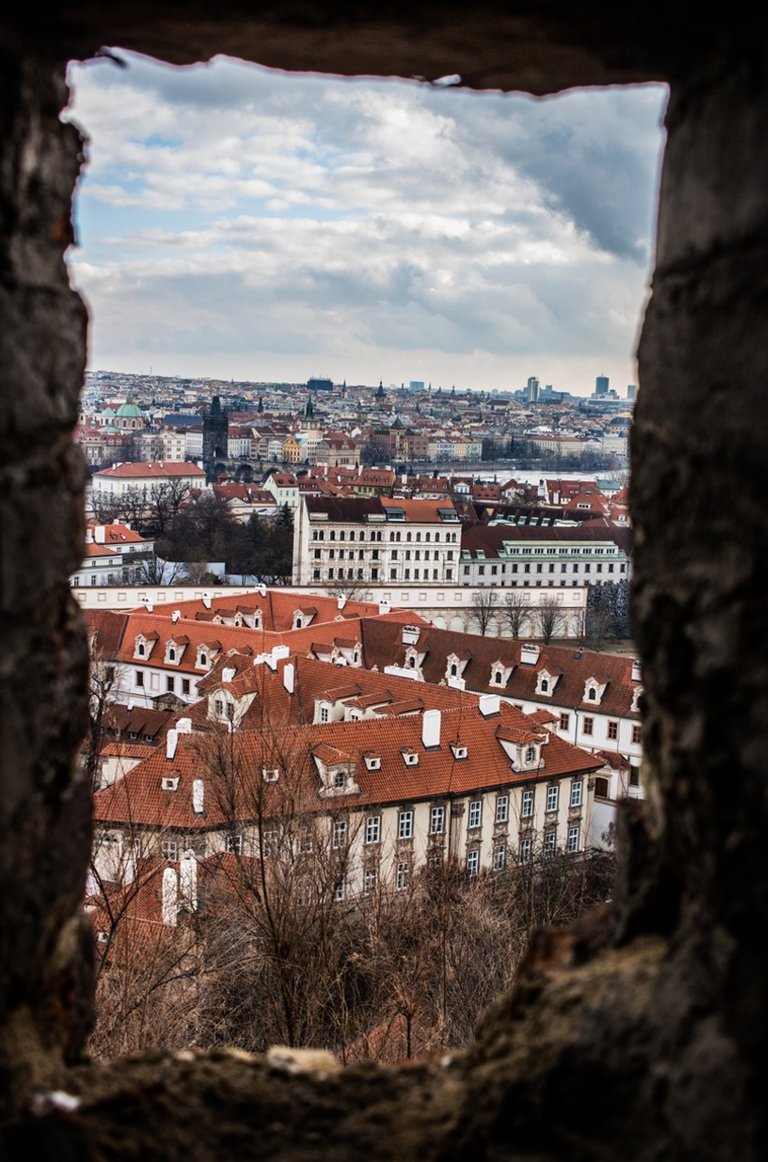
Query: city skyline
x=234 y=222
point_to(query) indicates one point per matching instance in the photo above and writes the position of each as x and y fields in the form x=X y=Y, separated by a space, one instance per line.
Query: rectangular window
x=576 y=792
x=373 y=829
x=340 y=890
x=589 y=724
x=553 y=795
x=550 y=843
x=613 y=730
x=304 y=843
x=573 y=839
x=339 y=833
x=405 y=825
x=499 y=856
x=475 y=813
x=525 y=849
x=436 y=820
x=637 y=734
x=370 y=878
x=565 y=721
x=634 y=776
x=185 y=685
x=502 y=808
x=139 y=677
x=235 y=844
x=169 y=685
x=527 y=804
x=168 y=848
x=402 y=876
x=473 y=862
x=271 y=843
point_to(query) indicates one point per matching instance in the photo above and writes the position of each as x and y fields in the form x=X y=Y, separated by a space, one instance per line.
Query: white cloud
x=229 y=215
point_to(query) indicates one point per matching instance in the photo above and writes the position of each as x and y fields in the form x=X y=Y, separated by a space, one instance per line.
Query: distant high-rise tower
x=533 y=390
x=601 y=385
x=631 y=389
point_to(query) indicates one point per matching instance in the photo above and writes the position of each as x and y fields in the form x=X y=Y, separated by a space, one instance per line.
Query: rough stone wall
x=640 y=1034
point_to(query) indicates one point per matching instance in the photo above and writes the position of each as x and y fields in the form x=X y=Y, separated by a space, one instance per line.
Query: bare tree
x=153 y=570
x=352 y=590
x=484 y=603
x=279 y=948
x=550 y=620
x=516 y=612
x=148 y=965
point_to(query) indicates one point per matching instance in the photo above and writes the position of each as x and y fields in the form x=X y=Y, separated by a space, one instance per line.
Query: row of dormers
x=501 y=673
x=175 y=648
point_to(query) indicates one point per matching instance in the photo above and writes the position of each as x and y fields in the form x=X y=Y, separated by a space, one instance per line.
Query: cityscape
x=352 y=647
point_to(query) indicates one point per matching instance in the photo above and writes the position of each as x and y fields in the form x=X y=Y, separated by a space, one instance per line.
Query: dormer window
x=455 y=666
x=498 y=678
x=170 y=783
x=221 y=707
x=459 y=751
x=372 y=762
x=143 y=646
x=270 y=774
x=339 y=779
x=545 y=683
x=636 y=696
x=171 y=654
x=410 y=758
x=202 y=657
x=530 y=754
x=594 y=690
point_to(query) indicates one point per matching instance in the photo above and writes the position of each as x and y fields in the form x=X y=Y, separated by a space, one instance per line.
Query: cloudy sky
x=236 y=222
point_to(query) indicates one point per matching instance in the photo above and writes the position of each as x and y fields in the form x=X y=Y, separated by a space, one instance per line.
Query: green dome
x=129 y=411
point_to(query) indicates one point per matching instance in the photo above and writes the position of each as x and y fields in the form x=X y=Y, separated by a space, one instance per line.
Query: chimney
x=170 y=896
x=410 y=635
x=188 y=880
x=280 y=652
x=198 y=793
x=430 y=728
x=184 y=726
x=341 y=601
x=207 y=600
x=636 y=676
x=171 y=742
x=99 y=534
x=489 y=705
x=529 y=654
x=384 y=607
x=288 y=677
x=175 y=615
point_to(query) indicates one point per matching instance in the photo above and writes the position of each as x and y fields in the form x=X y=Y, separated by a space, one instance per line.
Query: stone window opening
x=705 y=136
